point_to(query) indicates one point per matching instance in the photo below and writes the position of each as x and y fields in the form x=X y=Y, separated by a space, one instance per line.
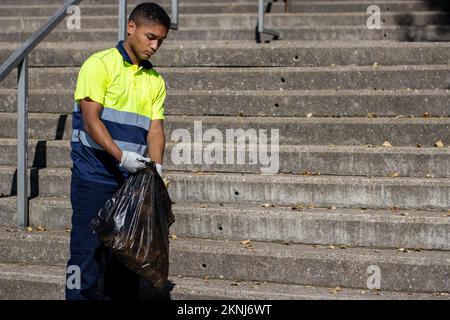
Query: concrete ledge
x=187 y=288
x=293 y=103
x=350 y=227
x=280 y=79
x=320 y=191
x=426 y=271
x=294 y=131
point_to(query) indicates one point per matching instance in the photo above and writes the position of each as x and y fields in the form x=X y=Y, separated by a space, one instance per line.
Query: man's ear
x=131 y=27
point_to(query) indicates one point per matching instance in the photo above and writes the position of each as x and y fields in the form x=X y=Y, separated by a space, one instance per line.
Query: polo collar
x=145 y=63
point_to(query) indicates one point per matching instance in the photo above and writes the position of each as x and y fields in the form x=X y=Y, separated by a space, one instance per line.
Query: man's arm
x=90 y=110
x=156 y=141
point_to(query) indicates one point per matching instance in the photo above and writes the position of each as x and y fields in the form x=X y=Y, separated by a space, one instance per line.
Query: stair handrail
x=260 y=23
x=19 y=59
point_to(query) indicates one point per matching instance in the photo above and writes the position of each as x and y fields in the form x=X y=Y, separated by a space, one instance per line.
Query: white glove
x=159 y=168
x=133 y=161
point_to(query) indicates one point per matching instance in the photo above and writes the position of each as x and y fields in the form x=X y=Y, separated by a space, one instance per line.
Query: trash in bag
x=135 y=223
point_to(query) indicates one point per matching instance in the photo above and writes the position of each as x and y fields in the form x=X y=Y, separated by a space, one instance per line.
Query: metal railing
x=260 y=23
x=19 y=60
x=123 y=17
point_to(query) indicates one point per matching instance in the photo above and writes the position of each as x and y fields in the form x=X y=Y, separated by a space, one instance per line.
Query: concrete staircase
x=341 y=203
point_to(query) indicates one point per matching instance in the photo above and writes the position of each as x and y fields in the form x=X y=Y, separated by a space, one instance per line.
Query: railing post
x=174 y=15
x=22 y=143
x=260 y=26
x=122 y=19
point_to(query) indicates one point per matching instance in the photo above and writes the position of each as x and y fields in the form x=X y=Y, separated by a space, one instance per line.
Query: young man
x=117 y=126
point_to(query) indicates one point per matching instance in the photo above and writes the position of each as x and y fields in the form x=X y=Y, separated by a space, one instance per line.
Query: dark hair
x=150 y=13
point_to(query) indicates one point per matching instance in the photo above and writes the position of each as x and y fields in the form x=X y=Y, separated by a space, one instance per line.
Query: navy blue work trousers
x=101 y=273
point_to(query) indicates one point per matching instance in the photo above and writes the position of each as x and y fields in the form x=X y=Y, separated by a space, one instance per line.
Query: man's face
x=145 y=39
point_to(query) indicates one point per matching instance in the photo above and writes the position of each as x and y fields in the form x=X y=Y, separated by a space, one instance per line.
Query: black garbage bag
x=135 y=223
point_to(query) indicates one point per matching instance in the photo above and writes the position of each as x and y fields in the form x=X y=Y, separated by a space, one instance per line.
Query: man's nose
x=154 y=44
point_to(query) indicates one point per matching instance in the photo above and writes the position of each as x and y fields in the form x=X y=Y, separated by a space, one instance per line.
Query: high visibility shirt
x=131 y=97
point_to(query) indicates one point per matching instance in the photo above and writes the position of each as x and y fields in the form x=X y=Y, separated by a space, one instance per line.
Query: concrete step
x=289 y=78
x=29 y=19
x=18 y=282
x=326 y=160
x=424 y=271
x=334 y=227
x=276 y=7
x=294 y=131
x=184 y=7
x=320 y=191
x=306 y=33
x=249 y=54
x=294 y=103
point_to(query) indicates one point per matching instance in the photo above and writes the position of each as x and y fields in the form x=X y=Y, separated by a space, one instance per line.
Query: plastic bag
x=135 y=223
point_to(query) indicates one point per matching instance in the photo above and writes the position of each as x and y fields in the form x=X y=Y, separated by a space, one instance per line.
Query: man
x=117 y=126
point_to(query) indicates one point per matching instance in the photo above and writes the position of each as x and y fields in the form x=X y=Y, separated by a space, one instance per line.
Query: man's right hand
x=133 y=161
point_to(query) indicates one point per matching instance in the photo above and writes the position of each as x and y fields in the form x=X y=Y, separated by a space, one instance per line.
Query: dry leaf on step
x=336 y=290
x=394 y=174
x=439 y=144
x=386 y=144
x=267 y=205
x=244 y=242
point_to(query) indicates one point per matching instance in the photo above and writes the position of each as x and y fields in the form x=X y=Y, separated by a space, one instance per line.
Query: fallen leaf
x=403 y=250
x=267 y=205
x=394 y=209
x=426 y=115
x=205 y=279
x=386 y=144
x=240 y=114
x=245 y=241
x=400 y=116
x=333 y=207
x=331 y=247
x=394 y=174
x=166 y=182
x=418 y=145
x=336 y=290
x=430 y=175
x=368 y=145
x=29 y=229
x=204 y=206
x=67 y=230
x=343 y=246
x=439 y=144
x=404 y=214
x=298 y=207
x=234 y=284
x=375 y=64
x=309 y=115
x=179 y=276
x=418 y=249
x=40 y=228
x=371 y=115
x=173 y=236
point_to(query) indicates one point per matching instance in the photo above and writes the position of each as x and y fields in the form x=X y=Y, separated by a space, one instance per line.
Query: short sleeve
x=92 y=80
x=158 y=103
